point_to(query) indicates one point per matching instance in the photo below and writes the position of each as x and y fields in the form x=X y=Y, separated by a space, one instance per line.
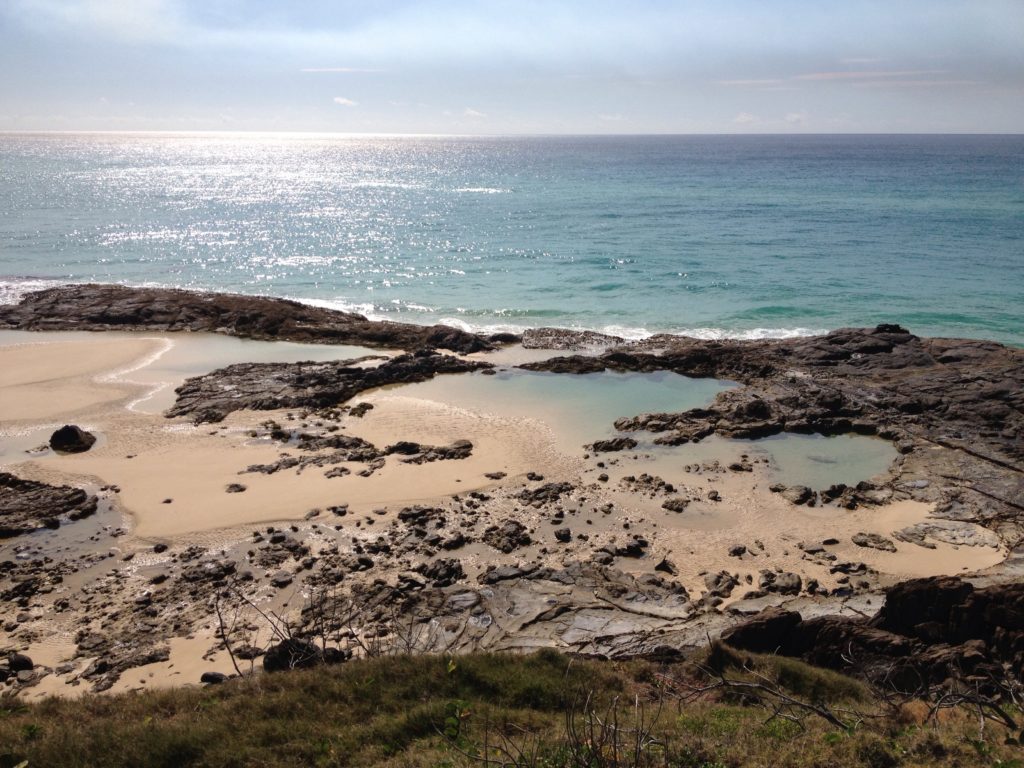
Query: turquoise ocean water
x=712 y=236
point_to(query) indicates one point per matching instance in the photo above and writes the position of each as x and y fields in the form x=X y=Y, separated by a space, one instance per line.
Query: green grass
x=432 y=711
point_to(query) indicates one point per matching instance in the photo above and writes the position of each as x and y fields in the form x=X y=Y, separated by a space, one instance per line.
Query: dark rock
x=767 y=632
x=269 y=386
x=72 y=439
x=720 y=584
x=281 y=579
x=508 y=536
x=677 y=504
x=613 y=444
x=442 y=572
x=292 y=654
x=26 y=505
x=19 y=662
x=213 y=678
x=874 y=541
x=545 y=494
x=667 y=566
x=94 y=307
x=563 y=535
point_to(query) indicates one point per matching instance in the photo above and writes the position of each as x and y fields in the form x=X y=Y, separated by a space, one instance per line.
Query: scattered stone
x=874 y=541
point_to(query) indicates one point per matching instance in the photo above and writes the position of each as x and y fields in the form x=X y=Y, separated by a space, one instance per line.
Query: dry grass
x=430 y=711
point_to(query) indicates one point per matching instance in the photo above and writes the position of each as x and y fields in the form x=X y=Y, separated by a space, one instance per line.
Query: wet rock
x=269 y=386
x=613 y=444
x=26 y=505
x=545 y=494
x=422 y=454
x=72 y=439
x=798 y=494
x=96 y=307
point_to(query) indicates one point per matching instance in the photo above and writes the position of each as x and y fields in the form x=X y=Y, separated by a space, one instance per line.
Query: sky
x=514 y=67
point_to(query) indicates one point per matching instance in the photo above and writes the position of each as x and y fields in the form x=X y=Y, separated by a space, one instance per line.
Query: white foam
x=121 y=374
x=752 y=334
x=12 y=290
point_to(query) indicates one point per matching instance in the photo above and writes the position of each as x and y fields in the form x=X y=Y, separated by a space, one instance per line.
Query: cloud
x=614 y=118
x=745 y=118
x=470 y=112
x=768 y=81
x=867 y=74
x=796 y=118
x=341 y=70
x=915 y=83
x=345 y=102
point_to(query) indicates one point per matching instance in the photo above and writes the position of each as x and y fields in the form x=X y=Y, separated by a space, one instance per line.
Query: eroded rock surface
x=929 y=631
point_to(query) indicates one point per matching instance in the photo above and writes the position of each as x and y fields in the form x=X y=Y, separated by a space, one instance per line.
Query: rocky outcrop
x=930 y=631
x=953 y=408
x=96 y=307
x=269 y=386
x=26 y=506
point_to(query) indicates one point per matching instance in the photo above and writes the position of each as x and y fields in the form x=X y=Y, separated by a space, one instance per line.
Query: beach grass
x=542 y=709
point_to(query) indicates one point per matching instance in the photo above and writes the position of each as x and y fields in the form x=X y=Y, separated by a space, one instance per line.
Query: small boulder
x=71 y=439
x=19 y=662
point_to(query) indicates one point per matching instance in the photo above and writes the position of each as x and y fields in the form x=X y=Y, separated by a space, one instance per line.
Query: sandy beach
x=173 y=487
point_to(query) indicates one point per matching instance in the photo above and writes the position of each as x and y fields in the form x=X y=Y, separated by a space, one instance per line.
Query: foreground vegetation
x=545 y=709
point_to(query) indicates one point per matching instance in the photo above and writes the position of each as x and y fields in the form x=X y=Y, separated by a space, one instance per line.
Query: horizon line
x=413 y=134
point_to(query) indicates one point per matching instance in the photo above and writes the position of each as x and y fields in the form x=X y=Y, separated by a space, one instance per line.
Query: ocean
x=713 y=236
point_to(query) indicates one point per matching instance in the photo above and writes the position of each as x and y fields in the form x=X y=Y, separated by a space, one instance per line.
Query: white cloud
x=796 y=118
x=745 y=118
x=345 y=102
x=615 y=118
x=470 y=112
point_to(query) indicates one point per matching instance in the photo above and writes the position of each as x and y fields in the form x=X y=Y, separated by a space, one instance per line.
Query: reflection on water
x=816 y=461
x=578 y=408
x=582 y=408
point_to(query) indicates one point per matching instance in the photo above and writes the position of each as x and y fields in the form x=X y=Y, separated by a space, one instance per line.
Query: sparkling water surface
x=740 y=236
